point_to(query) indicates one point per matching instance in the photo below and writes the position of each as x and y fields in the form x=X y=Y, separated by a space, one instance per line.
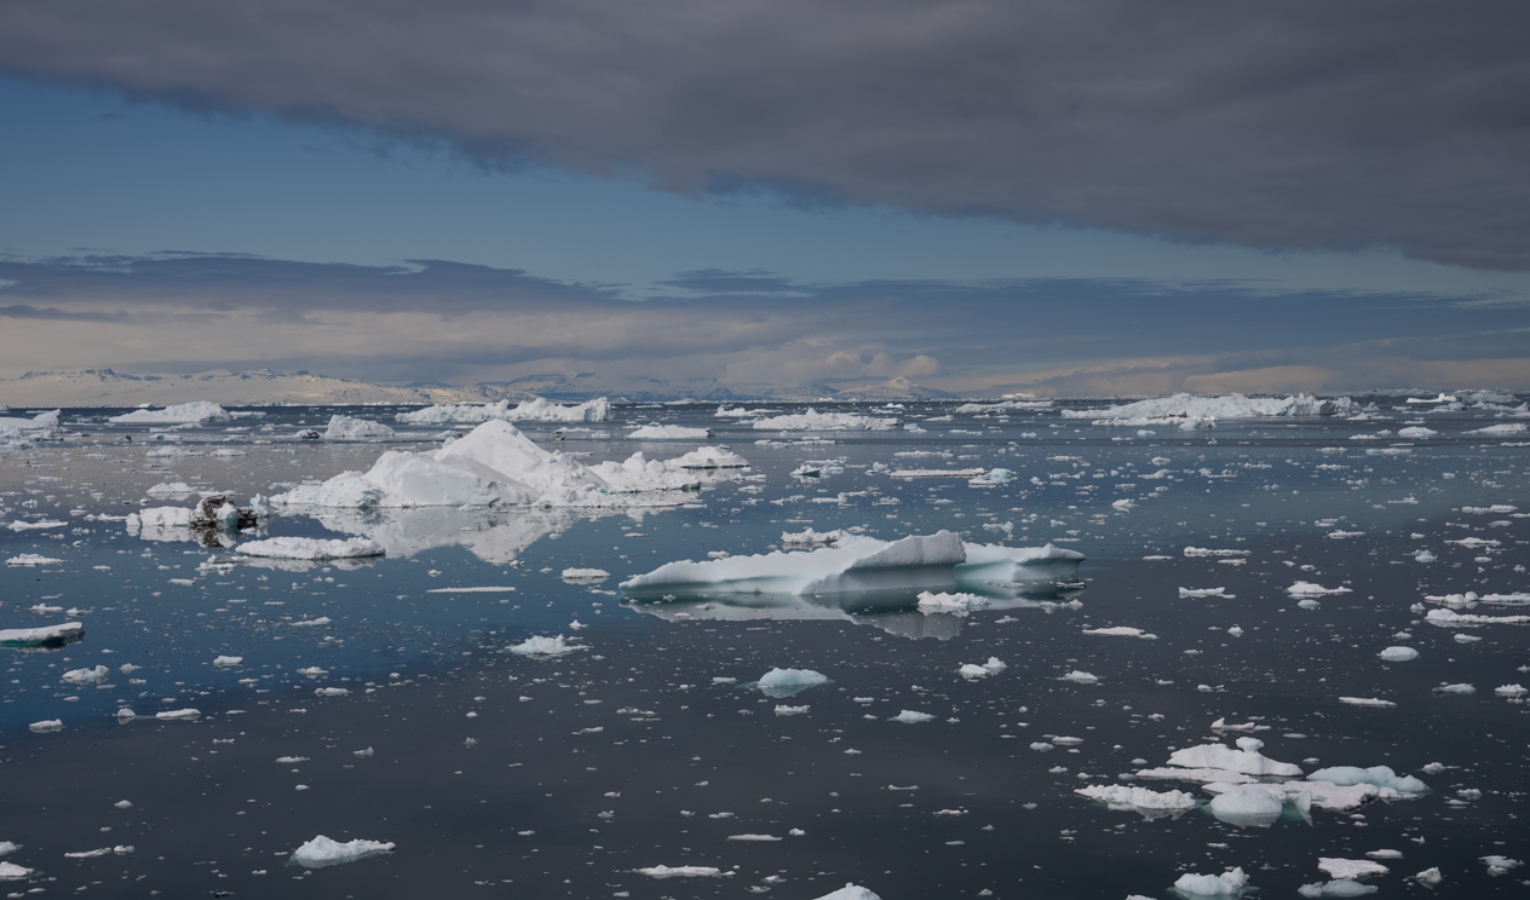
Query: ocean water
x=496 y=774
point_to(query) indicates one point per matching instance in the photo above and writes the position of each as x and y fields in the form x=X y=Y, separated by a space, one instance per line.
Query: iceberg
x=1188 y=407
x=1380 y=776
x=655 y=432
x=46 y=636
x=858 y=564
x=997 y=564
x=323 y=851
x=850 y=892
x=538 y=409
x=11 y=872
x=1446 y=618
x=780 y=683
x=1307 y=590
x=1229 y=884
x=180 y=414
x=1339 y=887
x=545 y=647
x=709 y=458
x=86 y=676
x=310 y=548
x=1399 y=654
x=1247 y=760
x=1126 y=797
x=812 y=420
x=493 y=465
x=349 y=428
x=1351 y=869
x=1247 y=805
x=43 y=426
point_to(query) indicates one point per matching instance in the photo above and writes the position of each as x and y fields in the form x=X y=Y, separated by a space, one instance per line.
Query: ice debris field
x=1187 y=647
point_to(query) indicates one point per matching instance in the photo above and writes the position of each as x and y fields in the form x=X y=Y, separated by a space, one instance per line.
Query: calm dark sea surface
x=500 y=775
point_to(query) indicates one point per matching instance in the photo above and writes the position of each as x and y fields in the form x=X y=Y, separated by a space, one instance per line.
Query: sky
x=1082 y=198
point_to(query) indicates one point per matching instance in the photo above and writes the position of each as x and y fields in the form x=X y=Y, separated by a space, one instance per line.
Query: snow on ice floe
x=350 y=428
x=179 y=414
x=812 y=420
x=850 y=892
x=1229 y=884
x=1124 y=797
x=495 y=465
x=1446 y=618
x=323 y=851
x=662 y=871
x=1247 y=805
x=808 y=537
x=709 y=458
x=1121 y=631
x=537 y=410
x=33 y=559
x=1307 y=590
x=310 y=548
x=971 y=671
x=1187 y=409
x=656 y=432
x=780 y=683
x=44 y=636
x=540 y=647
x=43 y=426
x=1371 y=702
x=1379 y=776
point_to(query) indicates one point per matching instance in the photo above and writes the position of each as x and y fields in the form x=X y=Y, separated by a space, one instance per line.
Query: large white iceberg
x=180 y=414
x=812 y=420
x=43 y=426
x=41 y=637
x=350 y=428
x=937 y=562
x=539 y=409
x=493 y=465
x=1182 y=408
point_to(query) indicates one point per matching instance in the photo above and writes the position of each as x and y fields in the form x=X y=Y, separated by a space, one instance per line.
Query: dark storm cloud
x=1307 y=123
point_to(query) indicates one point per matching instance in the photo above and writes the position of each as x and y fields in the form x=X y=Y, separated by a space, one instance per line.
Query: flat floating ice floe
x=1447 y=618
x=1308 y=590
x=788 y=682
x=656 y=432
x=178 y=414
x=1339 y=887
x=709 y=458
x=538 y=409
x=1126 y=797
x=323 y=851
x=930 y=562
x=1371 y=702
x=33 y=559
x=812 y=420
x=12 y=872
x=349 y=428
x=1229 y=884
x=311 y=548
x=45 y=636
x=540 y=647
x=850 y=892
x=662 y=871
x=585 y=576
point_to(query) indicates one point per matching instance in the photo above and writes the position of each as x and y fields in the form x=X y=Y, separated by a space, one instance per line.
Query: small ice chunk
x=311 y=548
x=322 y=851
x=786 y=682
x=1498 y=865
x=93 y=675
x=224 y=661
x=1309 y=590
x=783 y=710
x=585 y=575
x=545 y=647
x=47 y=725
x=1371 y=702
x=1078 y=676
x=1398 y=654
x=1229 y=884
x=994 y=666
x=1429 y=877
x=911 y=717
x=1339 y=887
x=1122 y=631
x=1119 y=796
x=682 y=872
x=13 y=872
x=850 y=892
x=1510 y=690
x=1380 y=776
x=1353 y=869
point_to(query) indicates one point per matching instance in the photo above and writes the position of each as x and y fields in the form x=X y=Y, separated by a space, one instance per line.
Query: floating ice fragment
x=196 y=411
x=1119 y=797
x=1446 y=618
x=943 y=602
x=1510 y=690
x=709 y=458
x=911 y=717
x=1122 y=631
x=1380 y=776
x=812 y=420
x=1199 y=593
x=1078 y=676
x=1398 y=654
x=1456 y=689
x=1247 y=805
x=537 y=409
x=1229 y=884
x=86 y=676
x=682 y=872
x=13 y=872
x=178 y=715
x=1498 y=865
x=1353 y=869
x=47 y=725
x=311 y=548
x=46 y=635
x=993 y=667
x=322 y=851
x=808 y=537
x=349 y=428
x=753 y=837
x=1339 y=887
x=786 y=682
x=585 y=575
x=540 y=647
x=655 y=432
x=225 y=661
x=1429 y=877
x=1368 y=701
x=1308 y=589
x=33 y=559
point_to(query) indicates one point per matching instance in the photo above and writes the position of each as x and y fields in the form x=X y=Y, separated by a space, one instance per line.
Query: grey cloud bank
x=749 y=332
x=1292 y=125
